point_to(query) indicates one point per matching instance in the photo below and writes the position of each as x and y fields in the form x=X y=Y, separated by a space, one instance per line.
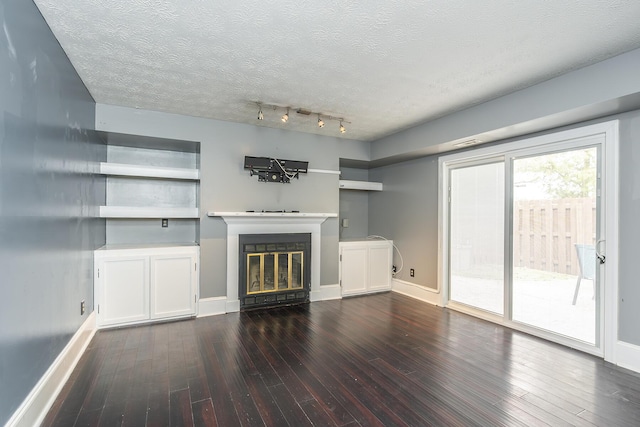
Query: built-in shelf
x=346 y=184
x=147 y=212
x=118 y=247
x=123 y=169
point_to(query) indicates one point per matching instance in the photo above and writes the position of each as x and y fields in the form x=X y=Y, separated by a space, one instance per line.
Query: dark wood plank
x=203 y=414
x=292 y=413
x=88 y=418
x=135 y=413
x=225 y=412
x=112 y=415
x=378 y=360
x=180 y=408
x=158 y=408
x=316 y=413
x=266 y=404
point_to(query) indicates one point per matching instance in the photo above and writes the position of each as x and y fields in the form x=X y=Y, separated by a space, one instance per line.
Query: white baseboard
x=212 y=306
x=329 y=292
x=628 y=356
x=232 y=306
x=36 y=405
x=416 y=291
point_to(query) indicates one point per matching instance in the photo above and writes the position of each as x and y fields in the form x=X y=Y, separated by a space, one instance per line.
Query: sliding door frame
x=609 y=199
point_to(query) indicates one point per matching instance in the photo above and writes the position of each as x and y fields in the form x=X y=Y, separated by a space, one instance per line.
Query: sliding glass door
x=555 y=217
x=523 y=234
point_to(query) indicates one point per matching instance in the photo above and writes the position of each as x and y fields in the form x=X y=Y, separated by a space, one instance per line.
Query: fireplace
x=274 y=269
x=239 y=223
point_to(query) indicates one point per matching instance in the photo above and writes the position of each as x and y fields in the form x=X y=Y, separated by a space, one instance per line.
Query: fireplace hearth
x=274 y=269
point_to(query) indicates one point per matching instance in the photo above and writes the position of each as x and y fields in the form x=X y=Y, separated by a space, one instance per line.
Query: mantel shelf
x=346 y=184
x=272 y=217
x=123 y=169
x=273 y=214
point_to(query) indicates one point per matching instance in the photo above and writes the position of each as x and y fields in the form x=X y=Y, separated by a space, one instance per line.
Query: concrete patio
x=541 y=299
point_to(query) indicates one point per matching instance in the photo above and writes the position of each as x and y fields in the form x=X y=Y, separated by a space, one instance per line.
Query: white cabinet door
x=353 y=269
x=123 y=289
x=380 y=263
x=365 y=266
x=173 y=285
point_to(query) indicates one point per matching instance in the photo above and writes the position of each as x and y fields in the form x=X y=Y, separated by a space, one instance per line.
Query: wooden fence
x=545 y=232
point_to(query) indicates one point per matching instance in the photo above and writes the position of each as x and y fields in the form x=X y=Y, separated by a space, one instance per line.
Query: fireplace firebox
x=275 y=269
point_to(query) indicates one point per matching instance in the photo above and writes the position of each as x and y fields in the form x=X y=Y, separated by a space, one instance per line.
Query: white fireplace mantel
x=271 y=217
x=270 y=223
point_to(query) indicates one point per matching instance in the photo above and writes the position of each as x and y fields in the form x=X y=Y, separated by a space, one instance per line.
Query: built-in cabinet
x=142 y=284
x=147 y=270
x=365 y=266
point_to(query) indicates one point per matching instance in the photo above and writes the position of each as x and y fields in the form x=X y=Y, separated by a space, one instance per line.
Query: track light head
x=285 y=117
x=260 y=115
x=342 y=128
x=320 y=122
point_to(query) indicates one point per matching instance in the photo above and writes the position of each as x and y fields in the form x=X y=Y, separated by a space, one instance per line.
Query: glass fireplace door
x=274 y=271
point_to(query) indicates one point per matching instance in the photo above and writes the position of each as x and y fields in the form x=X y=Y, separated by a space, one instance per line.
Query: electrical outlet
x=165 y=222
x=394 y=269
x=82 y=307
x=412 y=273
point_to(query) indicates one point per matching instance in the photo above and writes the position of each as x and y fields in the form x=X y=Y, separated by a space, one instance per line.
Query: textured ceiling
x=383 y=66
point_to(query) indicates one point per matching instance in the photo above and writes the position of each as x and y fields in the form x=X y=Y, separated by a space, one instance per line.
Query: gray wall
x=128 y=191
x=407 y=212
x=629 y=279
x=354 y=206
x=226 y=186
x=48 y=199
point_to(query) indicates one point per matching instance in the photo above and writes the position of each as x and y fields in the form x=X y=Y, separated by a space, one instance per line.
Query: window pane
x=477 y=236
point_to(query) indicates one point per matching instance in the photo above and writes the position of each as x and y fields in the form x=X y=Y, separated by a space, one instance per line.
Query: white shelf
x=147 y=212
x=147 y=246
x=360 y=185
x=122 y=169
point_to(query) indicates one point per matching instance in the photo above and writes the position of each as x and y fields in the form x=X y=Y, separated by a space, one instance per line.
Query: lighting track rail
x=322 y=118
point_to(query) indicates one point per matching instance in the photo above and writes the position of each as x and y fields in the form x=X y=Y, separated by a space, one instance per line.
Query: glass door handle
x=601 y=257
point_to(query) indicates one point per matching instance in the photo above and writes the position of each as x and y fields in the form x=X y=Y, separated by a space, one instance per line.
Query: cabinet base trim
x=212 y=306
x=39 y=401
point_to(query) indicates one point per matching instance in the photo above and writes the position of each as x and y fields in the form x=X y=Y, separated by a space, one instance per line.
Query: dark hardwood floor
x=380 y=360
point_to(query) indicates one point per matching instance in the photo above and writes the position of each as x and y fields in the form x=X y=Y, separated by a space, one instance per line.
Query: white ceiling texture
x=383 y=66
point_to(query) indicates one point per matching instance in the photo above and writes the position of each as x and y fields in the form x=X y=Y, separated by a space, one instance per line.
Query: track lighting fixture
x=302 y=113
